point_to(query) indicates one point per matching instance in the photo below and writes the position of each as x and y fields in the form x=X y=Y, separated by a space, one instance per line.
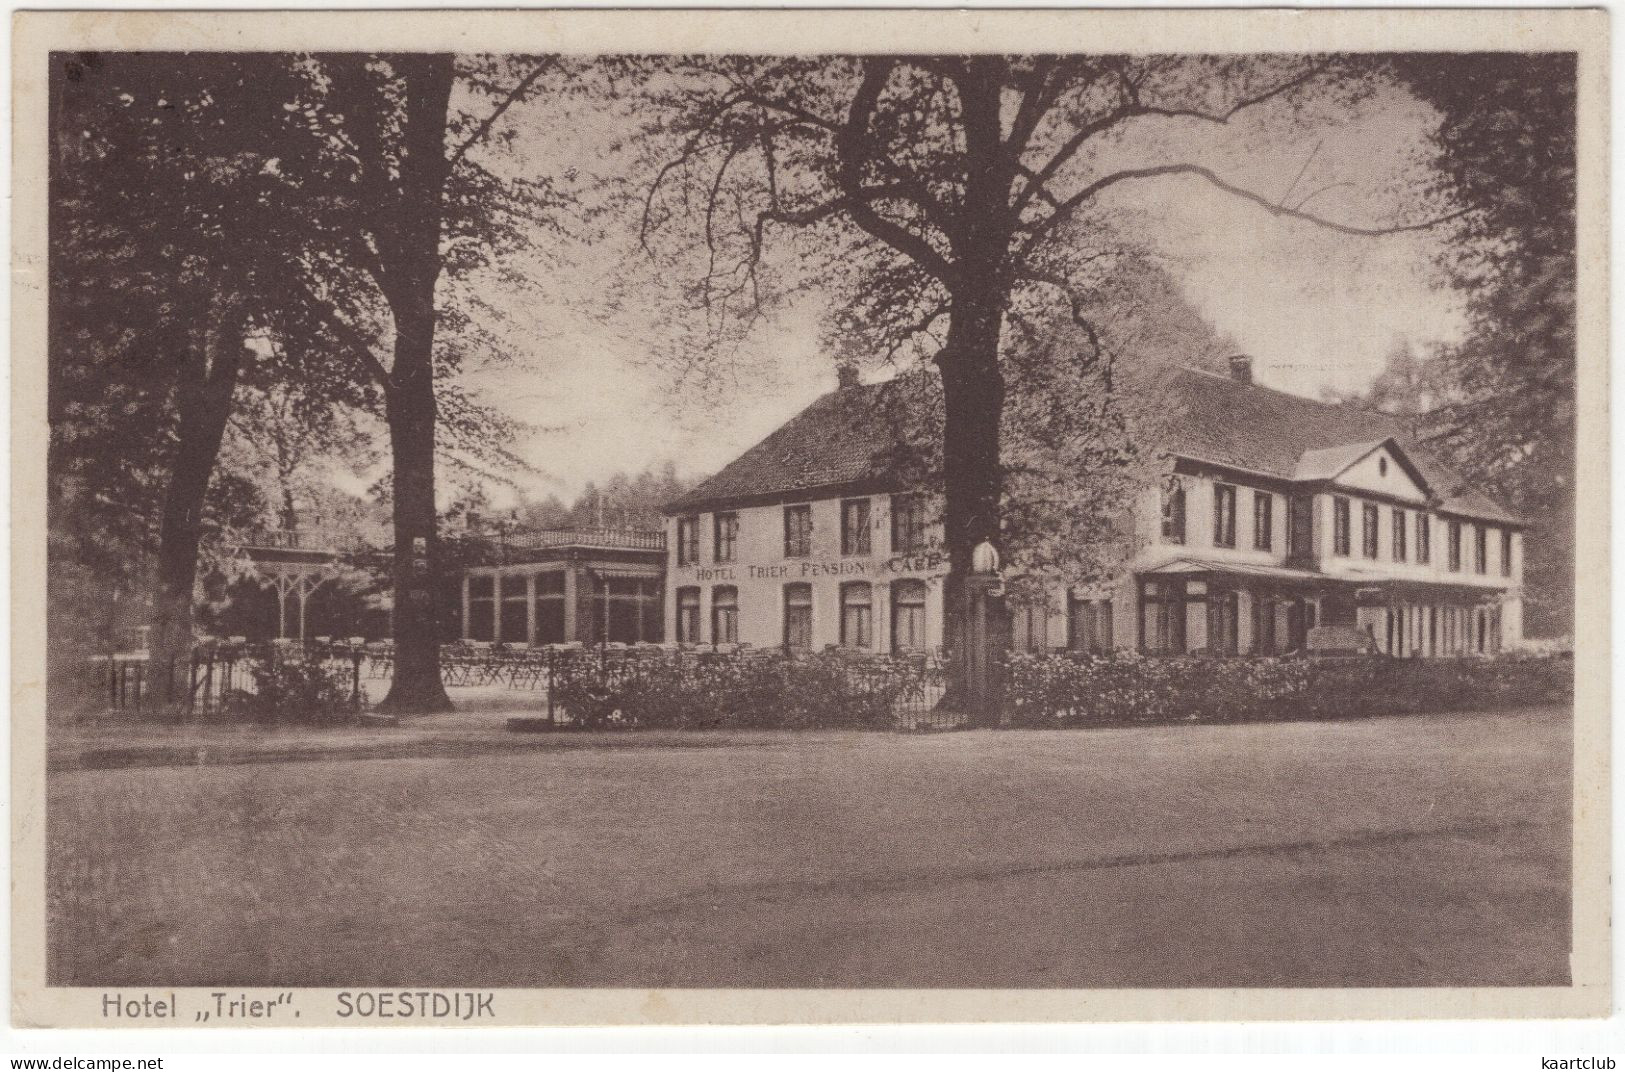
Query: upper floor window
x=1173 y=511
x=1224 y=515
x=907 y=523
x=855 y=527
x=1400 y=528
x=726 y=533
x=1506 y=552
x=1263 y=521
x=1424 y=538
x=798 y=531
x=688 y=541
x=1481 y=549
x=1454 y=549
x=1368 y=529
x=1340 y=525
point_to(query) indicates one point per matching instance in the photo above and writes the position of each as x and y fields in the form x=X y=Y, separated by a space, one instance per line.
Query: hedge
x=1068 y=689
x=757 y=691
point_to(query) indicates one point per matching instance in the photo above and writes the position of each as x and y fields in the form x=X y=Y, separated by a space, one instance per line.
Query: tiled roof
x=852 y=437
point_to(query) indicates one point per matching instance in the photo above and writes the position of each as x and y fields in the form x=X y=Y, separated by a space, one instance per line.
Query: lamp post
x=986 y=637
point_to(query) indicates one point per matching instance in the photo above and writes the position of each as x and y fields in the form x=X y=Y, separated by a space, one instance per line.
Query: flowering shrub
x=1068 y=689
x=757 y=690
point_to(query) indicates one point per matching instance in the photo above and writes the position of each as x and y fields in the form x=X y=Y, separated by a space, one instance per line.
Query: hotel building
x=1286 y=525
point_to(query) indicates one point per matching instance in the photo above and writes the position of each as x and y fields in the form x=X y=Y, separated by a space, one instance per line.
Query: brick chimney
x=1241 y=368
x=846 y=375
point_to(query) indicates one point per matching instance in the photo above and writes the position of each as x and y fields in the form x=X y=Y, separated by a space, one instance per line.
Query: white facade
x=1262 y=590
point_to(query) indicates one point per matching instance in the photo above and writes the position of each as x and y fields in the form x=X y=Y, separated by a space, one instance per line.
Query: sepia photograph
x=1077 y=510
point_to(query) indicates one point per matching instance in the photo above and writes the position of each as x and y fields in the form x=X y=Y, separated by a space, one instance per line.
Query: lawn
x=1421 y=851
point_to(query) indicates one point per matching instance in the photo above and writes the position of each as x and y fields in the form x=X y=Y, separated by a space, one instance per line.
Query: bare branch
x=1048 y=226
x=507 y=102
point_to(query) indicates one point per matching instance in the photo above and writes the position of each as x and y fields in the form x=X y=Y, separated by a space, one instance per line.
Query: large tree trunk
x=973 y=398
x=207 y=382
x=972 y=383
x=411 y=256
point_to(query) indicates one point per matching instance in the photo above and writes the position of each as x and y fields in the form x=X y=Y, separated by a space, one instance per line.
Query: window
x=688 y=615
x=1089 y=624
x=1300 y=527
x=855 y=527
x=725 y=614
x=550 y=608
x=1162 y=617
x=515 y=614
x=1223 y=622
x=907 y=523
x=1481 y=549
x=1340 y=525
x=1454 y=549
x=1224 y=515
x=1424 y=538
x=1506 y=552
x=908 y=616
x=481 y=622
x=1368 y=529
x=688 y=541
x=626 y=610
x=798 y=617
x=1173 y=511
x=1264 y=625
x=1263 y=521
x=1029 y=627
x=725 y=534
x=1400 y=522
x=857 y=616
x=797 y=531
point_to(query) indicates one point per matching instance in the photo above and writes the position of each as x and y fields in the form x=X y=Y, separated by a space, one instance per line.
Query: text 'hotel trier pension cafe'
x=1284 y=516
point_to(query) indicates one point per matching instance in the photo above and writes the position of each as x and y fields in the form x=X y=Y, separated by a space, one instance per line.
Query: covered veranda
x=1226 y=608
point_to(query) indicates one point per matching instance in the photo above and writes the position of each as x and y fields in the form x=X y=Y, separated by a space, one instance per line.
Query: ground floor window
x=725 y=614
x=550 y=608
x=628 y=609
x=688 y=615
x=857 y=621
x=1162 y=617
x=481 y=608
x=1264 y=625
x=515 y=615
x=1223 y=622
x=1029 y=627
x=908 y=616
x=1089 y=624
x=798 y=617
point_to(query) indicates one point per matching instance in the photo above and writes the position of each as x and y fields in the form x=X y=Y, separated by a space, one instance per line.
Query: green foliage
x=1065 y=689
x=741 y=691
x=307 y=692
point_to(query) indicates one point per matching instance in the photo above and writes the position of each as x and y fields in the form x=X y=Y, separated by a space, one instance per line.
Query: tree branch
x=507 y=102
x=850 y=148
x=1044 y=229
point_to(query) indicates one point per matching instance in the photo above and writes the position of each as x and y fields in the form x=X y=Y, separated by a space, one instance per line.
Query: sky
x=1315 y=309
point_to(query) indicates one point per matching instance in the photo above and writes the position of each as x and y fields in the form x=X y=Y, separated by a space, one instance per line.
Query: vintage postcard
x=738 y=516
